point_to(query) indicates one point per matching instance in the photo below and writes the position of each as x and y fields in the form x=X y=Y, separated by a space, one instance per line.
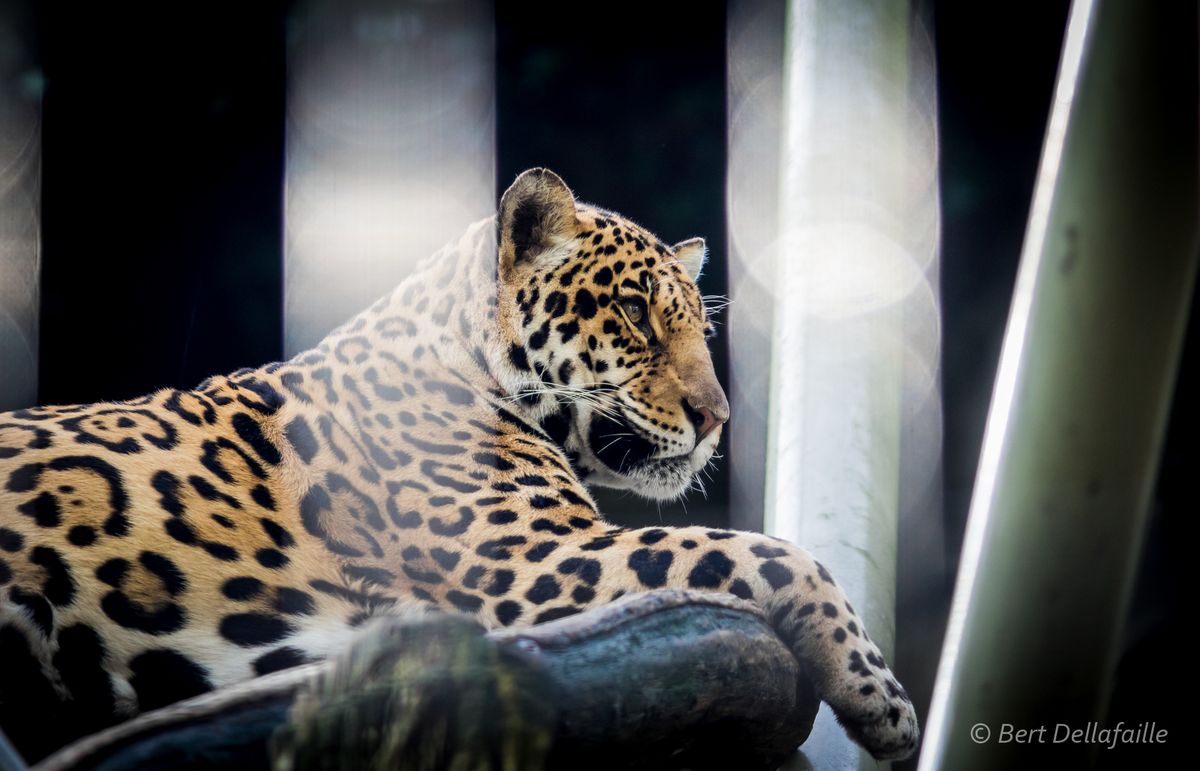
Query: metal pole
x=390 y=148
x=9 y=759
x=20 y=207
x=1081 y=397
x=855 y=331
x=755 y=99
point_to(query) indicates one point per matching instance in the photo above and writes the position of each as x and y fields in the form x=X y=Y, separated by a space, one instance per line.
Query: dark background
x=161 y=208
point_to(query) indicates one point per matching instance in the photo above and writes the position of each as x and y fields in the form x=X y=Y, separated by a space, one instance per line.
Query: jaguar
x=437 y=449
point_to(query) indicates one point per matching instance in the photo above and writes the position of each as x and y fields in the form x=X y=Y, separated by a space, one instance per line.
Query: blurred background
x=176 y=142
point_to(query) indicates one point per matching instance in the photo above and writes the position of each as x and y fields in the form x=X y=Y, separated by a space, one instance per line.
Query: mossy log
x=666 y=679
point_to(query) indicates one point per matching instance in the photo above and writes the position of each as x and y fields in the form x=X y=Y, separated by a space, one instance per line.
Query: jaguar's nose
x=704 y=417
x=710 y=422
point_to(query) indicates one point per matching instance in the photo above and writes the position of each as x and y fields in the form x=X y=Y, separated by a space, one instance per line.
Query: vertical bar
x=390 y=148
x=20 y=205
x=9 y=759
x=755 y=73
x=1081 y=396
x=834 y=226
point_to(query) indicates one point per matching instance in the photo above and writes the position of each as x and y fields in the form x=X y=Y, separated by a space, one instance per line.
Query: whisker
x=614 y=441
x=571 y=394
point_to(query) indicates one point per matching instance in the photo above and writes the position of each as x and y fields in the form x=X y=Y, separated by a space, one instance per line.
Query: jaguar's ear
x=691 y=254
x=537 y=213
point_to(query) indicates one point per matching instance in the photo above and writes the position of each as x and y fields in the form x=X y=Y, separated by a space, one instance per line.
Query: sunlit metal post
x=833 y=280
x=20 y=205
x=1081 y=396
x=390 y=148
x=9 y=759
x=755 y=99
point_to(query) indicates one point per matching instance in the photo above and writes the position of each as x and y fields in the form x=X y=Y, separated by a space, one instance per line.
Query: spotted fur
x=435 y=449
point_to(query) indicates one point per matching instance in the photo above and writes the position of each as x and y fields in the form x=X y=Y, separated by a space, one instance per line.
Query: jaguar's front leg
x=803 y=602
x=814 y=616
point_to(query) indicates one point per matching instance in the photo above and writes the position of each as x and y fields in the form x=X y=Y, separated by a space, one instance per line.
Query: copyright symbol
x=980 y=733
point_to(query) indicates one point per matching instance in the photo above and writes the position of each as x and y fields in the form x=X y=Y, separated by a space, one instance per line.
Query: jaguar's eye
x=634 y=310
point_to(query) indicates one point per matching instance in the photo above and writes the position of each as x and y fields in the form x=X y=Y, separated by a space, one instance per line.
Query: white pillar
x=1081 y=398
x=845 y=266
x=390 y=148
x=755 y=102
x=20 y=208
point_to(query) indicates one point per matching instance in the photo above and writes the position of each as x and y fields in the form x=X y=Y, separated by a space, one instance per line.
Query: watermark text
x=1062 y=733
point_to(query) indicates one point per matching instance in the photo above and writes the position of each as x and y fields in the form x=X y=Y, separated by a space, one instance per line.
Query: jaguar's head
x=604 y=332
